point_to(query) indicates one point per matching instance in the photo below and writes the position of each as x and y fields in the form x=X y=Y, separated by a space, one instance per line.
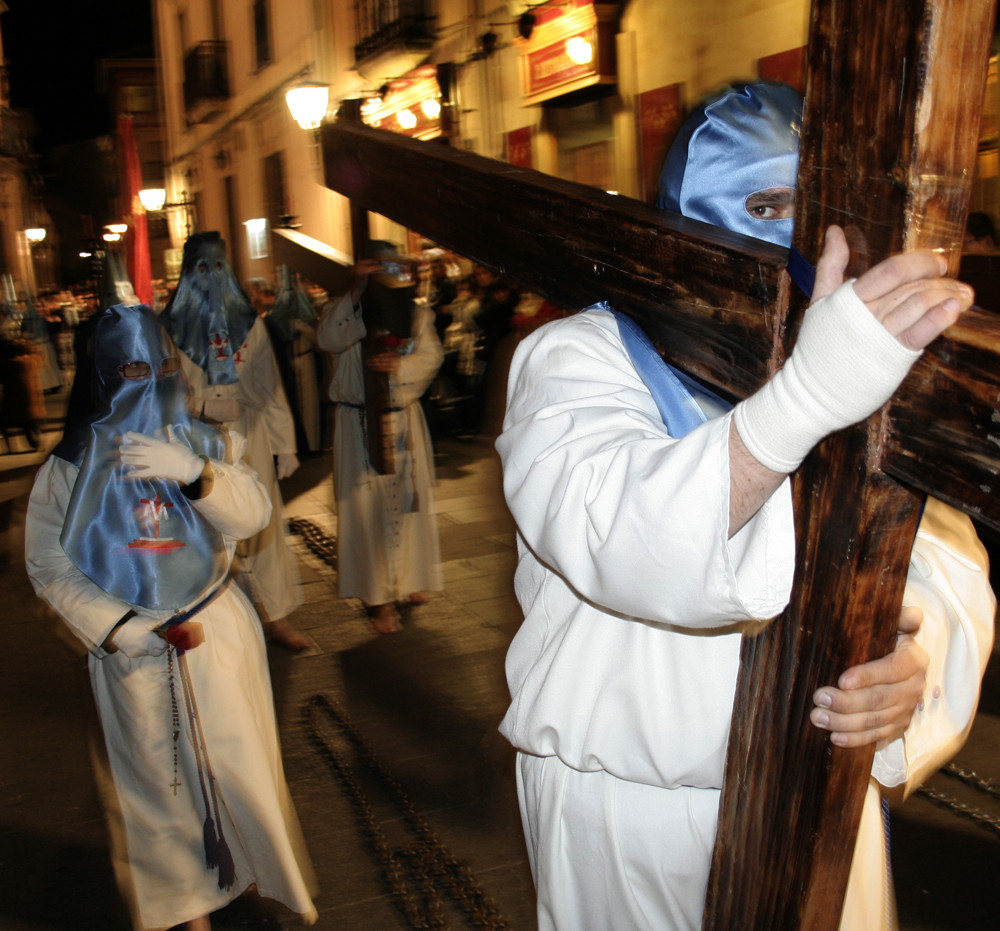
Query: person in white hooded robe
x=387 y=538
x=130 y=530
x=234 y=379
x=654 y=523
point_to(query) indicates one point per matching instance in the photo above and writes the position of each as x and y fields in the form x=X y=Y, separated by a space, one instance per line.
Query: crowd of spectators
x=36 y=357
x=480 y=316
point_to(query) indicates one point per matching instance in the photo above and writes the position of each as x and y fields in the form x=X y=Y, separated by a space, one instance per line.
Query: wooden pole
x=894 y=168
x=378 y=427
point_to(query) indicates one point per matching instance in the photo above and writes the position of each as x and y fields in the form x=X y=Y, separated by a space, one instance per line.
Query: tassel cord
x=220 y=856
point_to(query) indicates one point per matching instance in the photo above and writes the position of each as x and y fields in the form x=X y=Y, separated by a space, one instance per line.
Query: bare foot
x=280 y=631
x=384 y=618
x=418 y=598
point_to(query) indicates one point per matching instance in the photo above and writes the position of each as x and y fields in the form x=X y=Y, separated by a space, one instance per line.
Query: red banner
x=519 y=147
x=139 y=264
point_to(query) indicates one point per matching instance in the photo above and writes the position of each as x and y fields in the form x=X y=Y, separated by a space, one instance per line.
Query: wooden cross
x=893 y=98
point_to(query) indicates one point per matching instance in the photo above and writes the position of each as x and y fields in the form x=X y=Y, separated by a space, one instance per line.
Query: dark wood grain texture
x=893 y=167
x=718 y=294
x=712 y=300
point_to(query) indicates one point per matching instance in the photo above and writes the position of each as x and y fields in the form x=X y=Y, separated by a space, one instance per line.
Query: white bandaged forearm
x=844 y=367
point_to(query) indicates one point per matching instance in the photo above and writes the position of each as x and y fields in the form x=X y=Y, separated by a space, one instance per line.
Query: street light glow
x=308 y=104
x=153 y=198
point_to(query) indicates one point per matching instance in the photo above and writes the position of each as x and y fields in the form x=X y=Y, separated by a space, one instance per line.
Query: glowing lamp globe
x=308 y=104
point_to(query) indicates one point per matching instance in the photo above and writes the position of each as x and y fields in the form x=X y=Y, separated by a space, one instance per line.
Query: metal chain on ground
x=962 y=809
x=325 y=547
x=989 y=786
x=421 y=876
x=320 y=543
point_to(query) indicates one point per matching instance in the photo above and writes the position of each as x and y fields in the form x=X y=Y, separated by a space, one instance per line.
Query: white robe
x=623 y=674
x=270 y=571
x=157 y=834
x=387 y=538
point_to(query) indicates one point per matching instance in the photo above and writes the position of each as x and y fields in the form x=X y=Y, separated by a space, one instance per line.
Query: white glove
x=287 y=464
x=135 y=639
x=221 y=410
x=152 y=458
x=844 y=367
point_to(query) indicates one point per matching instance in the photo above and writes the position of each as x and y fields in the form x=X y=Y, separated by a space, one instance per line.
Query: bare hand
x=874 y=702
x=385 y=362
x=287 y=465
x=906 y=292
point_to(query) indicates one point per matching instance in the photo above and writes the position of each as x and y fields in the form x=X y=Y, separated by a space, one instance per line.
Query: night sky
x=53 y=48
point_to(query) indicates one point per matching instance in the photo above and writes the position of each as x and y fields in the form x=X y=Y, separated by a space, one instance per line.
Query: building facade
x=29 y=262
x=131 y=85
x=588 y=91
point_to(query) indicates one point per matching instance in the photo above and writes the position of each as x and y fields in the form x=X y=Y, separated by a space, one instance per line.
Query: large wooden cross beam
x=893 y=98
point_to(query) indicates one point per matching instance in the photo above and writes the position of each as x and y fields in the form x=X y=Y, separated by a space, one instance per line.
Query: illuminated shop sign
x=410 y=105
x=569 y=51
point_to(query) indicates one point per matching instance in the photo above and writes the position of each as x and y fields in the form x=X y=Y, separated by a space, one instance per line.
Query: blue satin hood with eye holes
x=743 y=140
x=139 y=540
x=209 y=316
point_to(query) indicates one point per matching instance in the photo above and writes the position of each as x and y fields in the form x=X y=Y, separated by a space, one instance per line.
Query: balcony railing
x=206 y=79
x=383 y=24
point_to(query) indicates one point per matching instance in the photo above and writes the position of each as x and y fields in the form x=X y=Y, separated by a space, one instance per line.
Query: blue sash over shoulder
x=682 y=402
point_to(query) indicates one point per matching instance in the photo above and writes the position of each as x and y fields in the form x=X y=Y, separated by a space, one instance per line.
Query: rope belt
x=181 y=616
x=361 y=407
x=217 y=853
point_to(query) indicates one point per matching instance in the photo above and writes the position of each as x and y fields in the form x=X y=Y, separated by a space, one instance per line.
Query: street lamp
x=154 y=199
x=34 y=235
x=308 y=103
x=114 y=232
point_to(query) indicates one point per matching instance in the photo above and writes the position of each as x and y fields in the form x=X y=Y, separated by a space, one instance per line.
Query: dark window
x=153 y=173
x=275 y=201
x=384 y=23
x=193 y=214
x=139 y=98
x=262 y=32
x=157 y=226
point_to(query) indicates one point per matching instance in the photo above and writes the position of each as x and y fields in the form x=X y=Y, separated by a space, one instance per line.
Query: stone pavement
x=426 y=702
